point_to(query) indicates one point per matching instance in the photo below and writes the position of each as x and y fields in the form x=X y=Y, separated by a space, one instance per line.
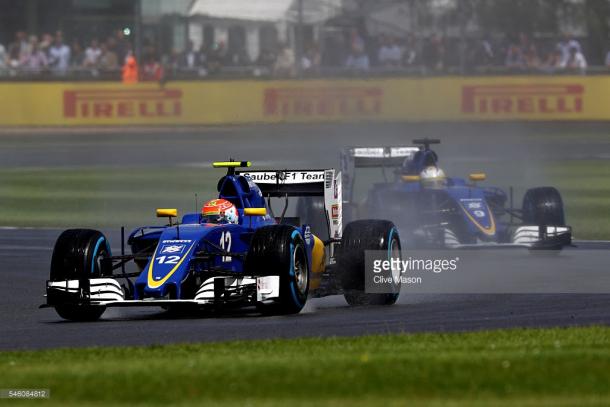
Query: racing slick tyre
x=543 y=206
x=280 y=250
x=312 y=212
x=77 y=256
x=358 y=237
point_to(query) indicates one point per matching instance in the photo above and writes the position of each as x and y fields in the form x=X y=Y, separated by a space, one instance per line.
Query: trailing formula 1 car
x=234 y=253
x=432 y=210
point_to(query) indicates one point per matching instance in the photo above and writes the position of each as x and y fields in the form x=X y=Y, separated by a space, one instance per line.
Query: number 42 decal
x=225 y=244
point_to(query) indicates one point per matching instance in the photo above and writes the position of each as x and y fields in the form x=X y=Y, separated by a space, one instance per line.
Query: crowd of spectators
x=344 y=51
x=436 y=54
x=353 y=52
x=565 y=55
x=52 y=53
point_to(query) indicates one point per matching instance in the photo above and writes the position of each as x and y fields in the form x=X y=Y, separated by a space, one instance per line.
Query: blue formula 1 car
x=255 y=259
x=432 y=210
x=435 y=211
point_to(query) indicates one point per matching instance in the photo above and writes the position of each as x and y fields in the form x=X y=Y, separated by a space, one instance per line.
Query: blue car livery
x=448 y=211
x=273 y=264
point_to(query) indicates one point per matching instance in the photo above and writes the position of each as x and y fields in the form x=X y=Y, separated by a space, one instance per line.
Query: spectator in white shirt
x=565 y=45
x=92 y=54
x=285 y=62
x=563 y=48
x=37 y=59
x=3 y=57
x=390 y=54
x=20 y=49
x=59 y=55
x=410 y=52
x=191 y=58
x=576 y=61
x=358 y=60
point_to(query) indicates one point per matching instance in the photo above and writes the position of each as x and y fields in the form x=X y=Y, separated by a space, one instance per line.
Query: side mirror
x=411 y=178
x=477 y=177
x=167 y=213
x=255 y=211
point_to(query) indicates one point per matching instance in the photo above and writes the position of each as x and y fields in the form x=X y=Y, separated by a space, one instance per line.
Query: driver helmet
x=433 y=177
x=220 y=211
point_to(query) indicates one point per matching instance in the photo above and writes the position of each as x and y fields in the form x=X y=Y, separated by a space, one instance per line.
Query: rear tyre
x=358 y=237
x=312 y=212
x=78 y=255
x=543 y=206
x=280 y=250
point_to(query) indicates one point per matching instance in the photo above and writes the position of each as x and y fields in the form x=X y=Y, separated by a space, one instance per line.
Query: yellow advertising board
x=248 y=101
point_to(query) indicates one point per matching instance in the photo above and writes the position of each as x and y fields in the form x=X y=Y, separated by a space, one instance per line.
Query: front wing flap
x=216 y=290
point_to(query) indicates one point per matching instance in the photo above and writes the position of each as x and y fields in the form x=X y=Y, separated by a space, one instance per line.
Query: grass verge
x=111 y=197
x=505 y=367
x=585 y=189
x=99 y=197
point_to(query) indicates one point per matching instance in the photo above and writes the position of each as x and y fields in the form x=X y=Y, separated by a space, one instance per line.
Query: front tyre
x=359 y=236
x=543 y=206
x=280 y=250
x=78 y=255
x=80 y=313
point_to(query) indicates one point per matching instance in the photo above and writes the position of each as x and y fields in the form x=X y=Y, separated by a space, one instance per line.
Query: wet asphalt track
x=25 y=253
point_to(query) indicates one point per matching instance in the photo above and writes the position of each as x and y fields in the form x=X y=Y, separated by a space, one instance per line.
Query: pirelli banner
x=242 y=101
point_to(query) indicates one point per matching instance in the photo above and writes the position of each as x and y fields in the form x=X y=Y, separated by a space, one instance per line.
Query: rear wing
x=371 y=157
x=303 y=183
x=281 y=183
x=378 y=156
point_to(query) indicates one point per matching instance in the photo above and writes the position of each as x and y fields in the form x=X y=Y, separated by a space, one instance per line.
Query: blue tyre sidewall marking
x=95 y=250
x=390 y=237
x=291 y=271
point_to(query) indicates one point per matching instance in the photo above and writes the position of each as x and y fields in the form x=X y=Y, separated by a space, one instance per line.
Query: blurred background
x=111 y=108
x=205 y=39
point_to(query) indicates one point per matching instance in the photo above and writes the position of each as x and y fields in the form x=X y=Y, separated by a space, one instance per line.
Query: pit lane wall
x=249 y=101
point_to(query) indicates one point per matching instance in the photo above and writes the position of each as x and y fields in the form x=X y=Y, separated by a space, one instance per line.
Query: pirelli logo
x=122 y=103
x=323 y=102
x=522 y=99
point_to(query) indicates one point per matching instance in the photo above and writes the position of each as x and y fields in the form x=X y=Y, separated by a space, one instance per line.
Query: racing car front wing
x=528 y=237
x=108 y=292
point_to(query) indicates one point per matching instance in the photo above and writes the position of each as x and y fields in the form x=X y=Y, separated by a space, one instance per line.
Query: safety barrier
x=499 y=98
